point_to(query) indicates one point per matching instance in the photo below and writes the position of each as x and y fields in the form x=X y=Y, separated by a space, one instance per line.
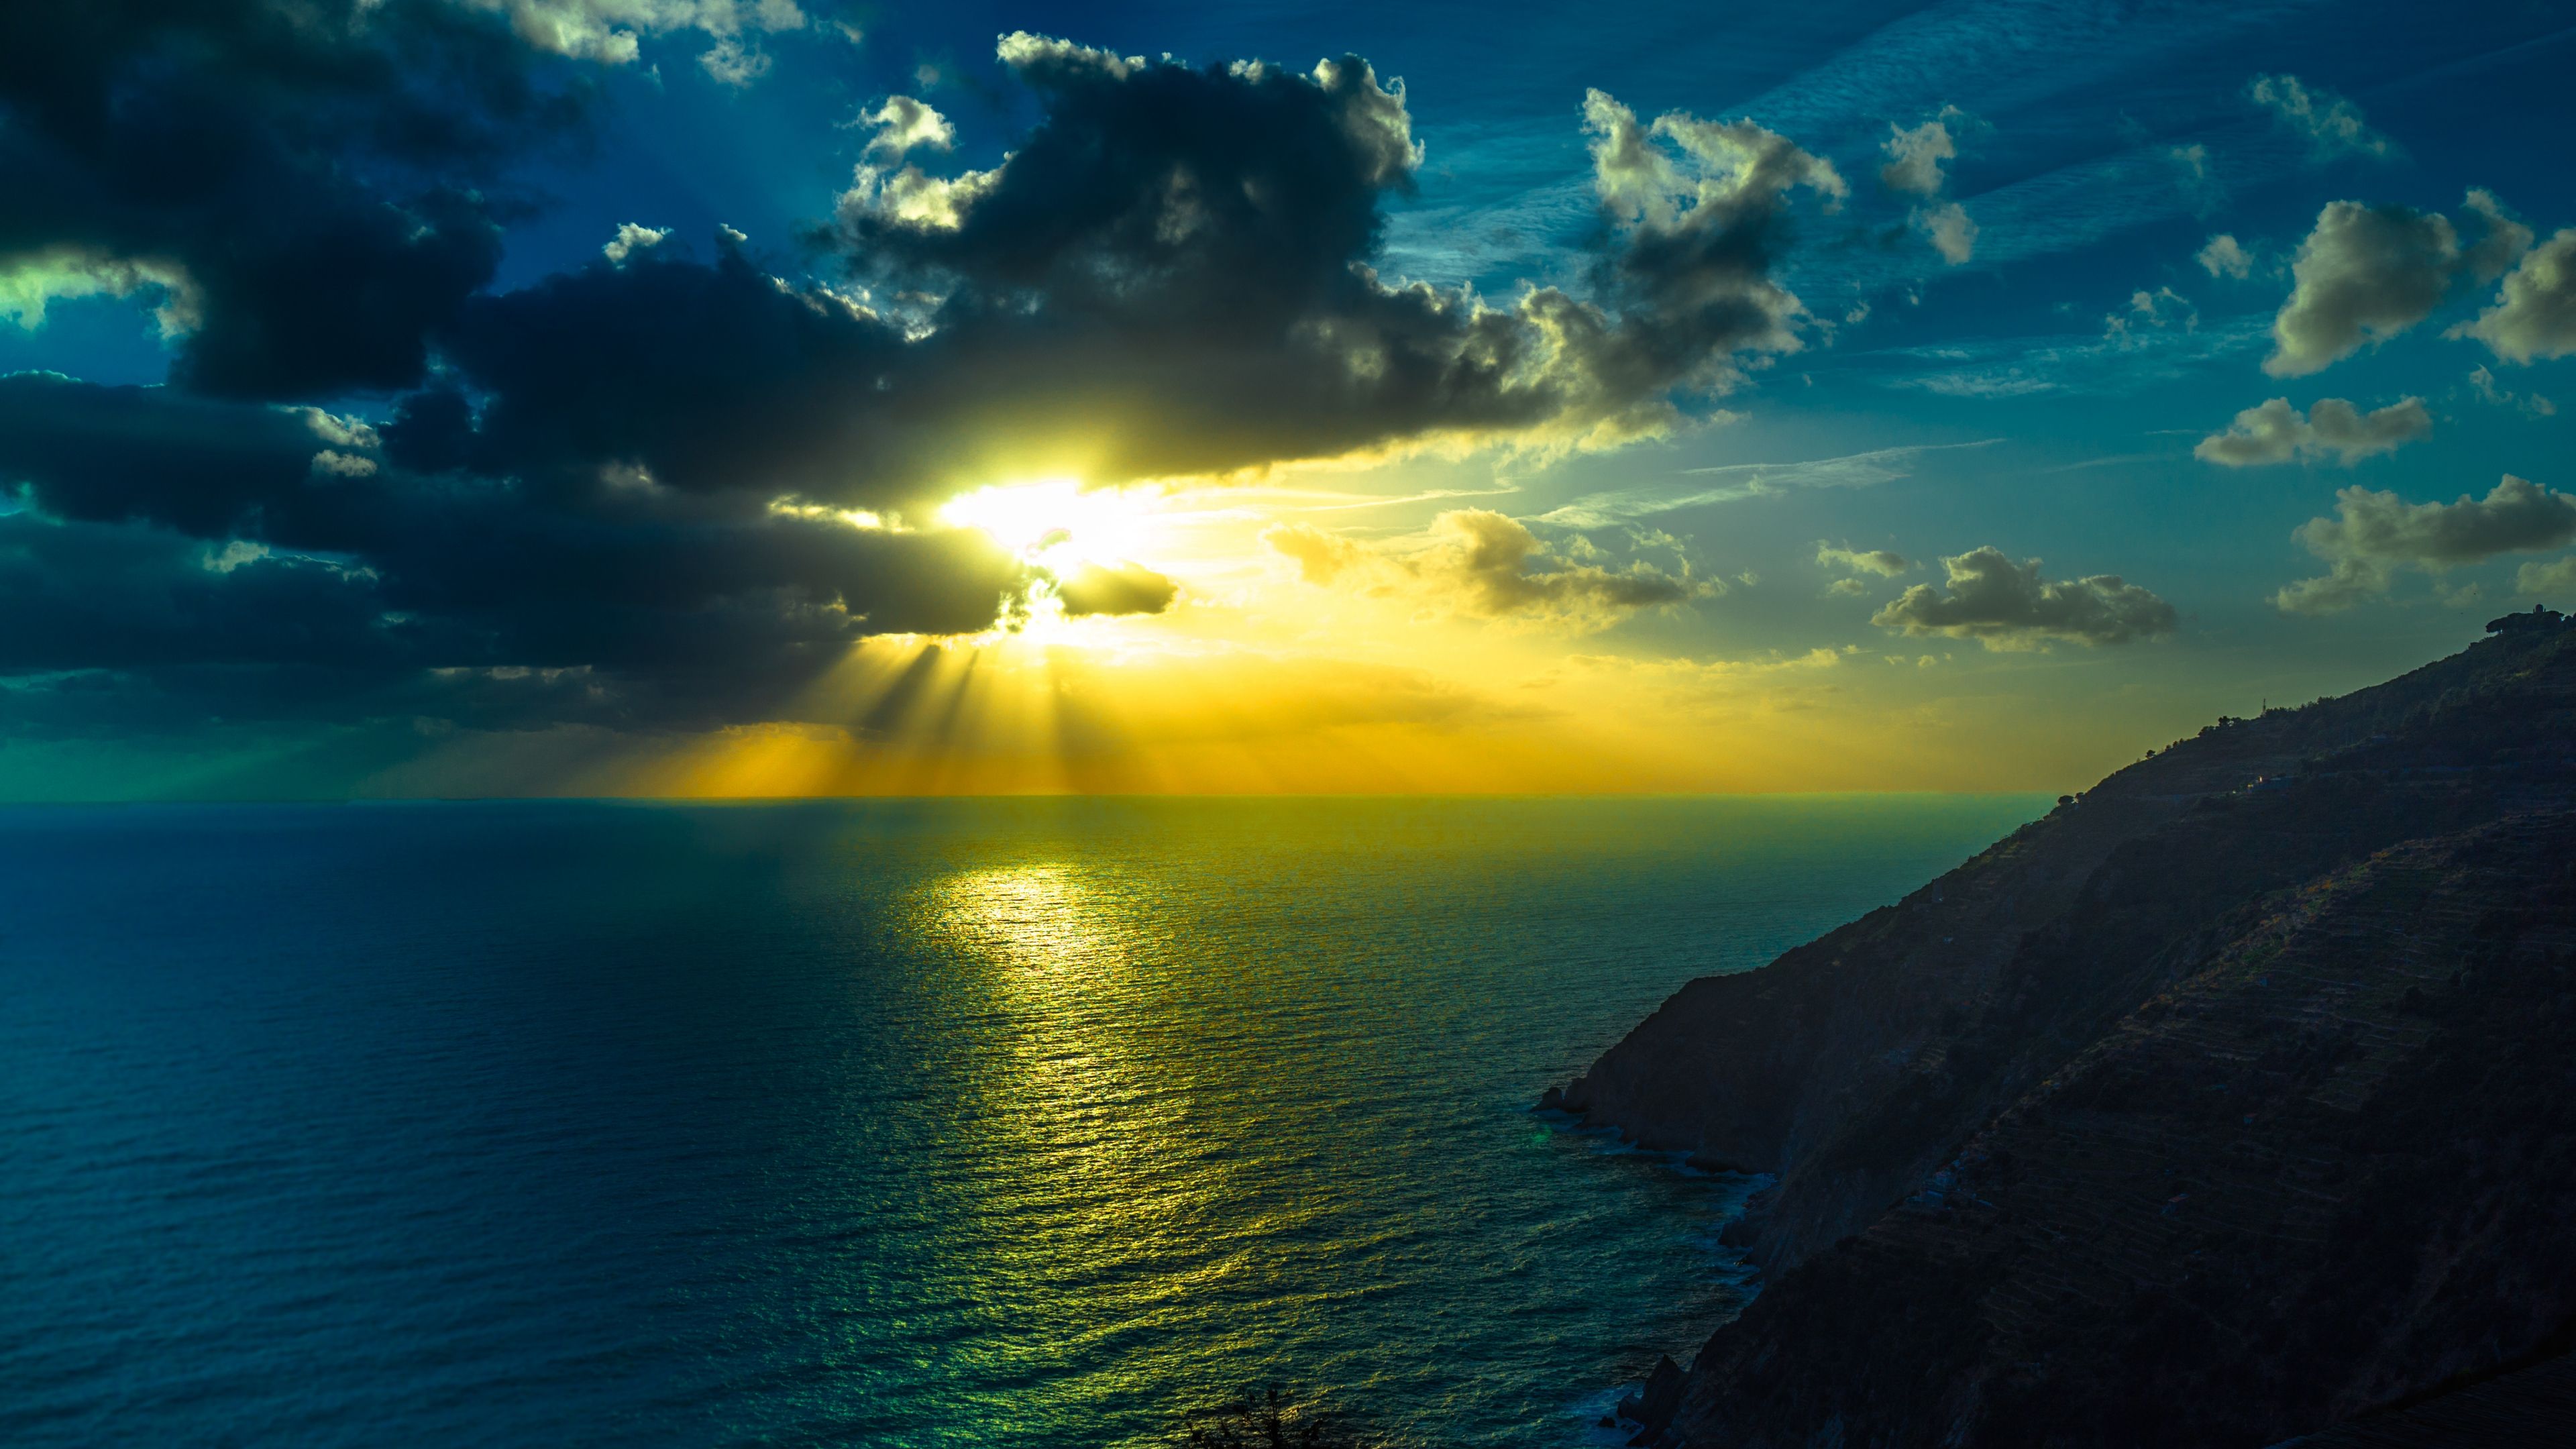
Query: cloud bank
x=669 y=488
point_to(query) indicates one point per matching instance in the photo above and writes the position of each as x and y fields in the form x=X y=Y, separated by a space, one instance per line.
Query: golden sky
x=1419 y=659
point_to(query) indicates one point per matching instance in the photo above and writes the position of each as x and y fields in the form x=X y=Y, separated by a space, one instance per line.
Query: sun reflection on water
x=1196 y=1100
x=1046 y=918
x=1113 y=1220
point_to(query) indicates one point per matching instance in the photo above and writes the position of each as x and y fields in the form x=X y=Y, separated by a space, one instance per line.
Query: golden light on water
x=1095 y=1113
x=1042 y=918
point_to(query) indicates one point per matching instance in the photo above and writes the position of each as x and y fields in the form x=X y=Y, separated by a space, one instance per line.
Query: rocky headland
x=2232 y=1101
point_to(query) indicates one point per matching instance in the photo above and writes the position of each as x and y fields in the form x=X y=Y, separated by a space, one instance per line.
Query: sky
x=741 y=398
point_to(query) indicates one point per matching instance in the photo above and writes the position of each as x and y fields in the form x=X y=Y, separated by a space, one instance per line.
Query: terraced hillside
x=2203 y=1111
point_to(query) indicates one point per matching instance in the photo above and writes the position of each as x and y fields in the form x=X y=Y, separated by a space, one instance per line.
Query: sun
x=1057 y=522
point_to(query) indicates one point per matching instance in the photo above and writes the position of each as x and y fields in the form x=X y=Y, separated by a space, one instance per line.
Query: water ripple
x=998 y=1123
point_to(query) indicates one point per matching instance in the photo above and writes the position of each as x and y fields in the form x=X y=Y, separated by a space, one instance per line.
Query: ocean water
x=1020 y=1123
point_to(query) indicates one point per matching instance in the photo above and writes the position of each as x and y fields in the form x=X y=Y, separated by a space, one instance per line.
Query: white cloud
x=1733 y=164
x=2274 y=432
x=885 y=188
x=331 y=464
x=2159 y=310
x=1884 y=563
x=1021 y=50
x=732 y=62
x=1952 y=232
x=2534 y=312
x=29 y=283
x=1917 y=154
x=2333 y=125
x=606 y=32
x=2224 y=257
x=2558 y=576
x=2118 y=361
x=1750 y=480
x=2374 y=534
x=2482 y=381
x=630 y=239
x=903 y=124
x=234 y=554
x=338 y=430
x=2199 y=184
x=1887 y=563
x=2367 y=273
x=912 y=198
x=2364 y=274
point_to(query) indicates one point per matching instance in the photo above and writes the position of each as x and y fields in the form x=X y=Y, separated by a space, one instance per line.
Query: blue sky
x=2044 y=389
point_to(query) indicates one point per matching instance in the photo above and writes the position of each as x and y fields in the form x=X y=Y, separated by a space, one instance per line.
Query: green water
x=994 y=1123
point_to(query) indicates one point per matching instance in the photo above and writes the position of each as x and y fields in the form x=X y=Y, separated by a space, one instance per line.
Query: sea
x=1024 y=1123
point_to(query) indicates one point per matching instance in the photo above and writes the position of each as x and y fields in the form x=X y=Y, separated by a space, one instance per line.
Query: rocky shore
x=2233 y=1101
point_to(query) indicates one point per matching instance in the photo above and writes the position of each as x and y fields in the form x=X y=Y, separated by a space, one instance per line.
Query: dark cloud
x=666 y=488
x=2373 y=534
x=111 y=454
x=1173 y=275
x=81 y=597
x=2005 y=605
x=709 y=378
x=308 y=189
x=155 y=505
x=1115 y=589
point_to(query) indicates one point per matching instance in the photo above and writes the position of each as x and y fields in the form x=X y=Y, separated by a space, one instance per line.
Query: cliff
x=2231 y=1101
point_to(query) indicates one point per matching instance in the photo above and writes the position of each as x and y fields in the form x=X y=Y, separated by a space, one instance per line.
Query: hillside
x=2228 y=1102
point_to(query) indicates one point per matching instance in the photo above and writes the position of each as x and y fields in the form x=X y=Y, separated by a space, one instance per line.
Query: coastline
x=1960 y=1095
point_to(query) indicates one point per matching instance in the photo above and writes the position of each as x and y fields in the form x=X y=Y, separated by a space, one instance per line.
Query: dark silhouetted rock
x=2535 y=1406
x=2189 y=1114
